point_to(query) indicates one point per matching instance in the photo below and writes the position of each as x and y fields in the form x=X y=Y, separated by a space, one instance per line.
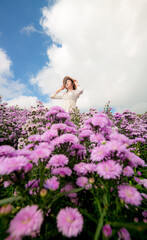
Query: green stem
x=99 y=225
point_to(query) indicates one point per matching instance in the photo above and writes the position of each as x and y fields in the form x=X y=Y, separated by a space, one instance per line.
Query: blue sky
x=27 y=51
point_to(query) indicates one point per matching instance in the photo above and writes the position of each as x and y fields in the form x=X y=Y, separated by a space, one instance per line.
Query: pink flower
x=40 y=152
x=9 y=165
x=130 y=195
x=68 y=137
x=144 y=195
x=138 y=173
x=99 y=120
x=58 y=160
x=144 y=213
x=109 y=169
x=69 y=187
x=107 y=231
x=27 y=221
x=143 y=182
x=52 y=183
x=97 y=138
x=85 y=134
x=124 y=234
x=5 y=209
x=62 y=171
x=98 y=153
x=6 y=150
x=69 y=222
x=62 y=115
x=49 y=134
x=80 y=168
x=115 y=145
x=82 y=181
x=134 y=159
x=128 y=171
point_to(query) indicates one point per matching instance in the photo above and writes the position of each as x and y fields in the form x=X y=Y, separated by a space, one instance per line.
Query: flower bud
x=91 y=180
x=5 y=209
x=43 y=192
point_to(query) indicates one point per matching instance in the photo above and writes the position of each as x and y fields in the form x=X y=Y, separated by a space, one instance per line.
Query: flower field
x=77 y=176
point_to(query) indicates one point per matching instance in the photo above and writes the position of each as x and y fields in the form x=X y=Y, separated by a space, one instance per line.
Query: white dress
x=69 y=98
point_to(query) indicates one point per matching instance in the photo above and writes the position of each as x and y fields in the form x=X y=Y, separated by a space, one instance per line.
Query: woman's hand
x=60 y=89
x=76 y=82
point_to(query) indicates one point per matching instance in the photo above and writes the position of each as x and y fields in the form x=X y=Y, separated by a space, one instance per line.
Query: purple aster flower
x=98 y=153
x=91 y=167
x=82 y=181
x=143 y=182
x=68 y=138
x=40 y=153
x=97 y=138
x=137 y=179
x=33 y=183
x=144 y=213
x=49 y=134
x=129 y=194
x=69 y=187
x=9 y=165
x=80 y=168
x=113 y=146
x=5 y=209
x=85 y=134
x=57 y=108
x=109 y=169
x=59 y=126
x=51 y=112
x=69 y=222
x=35 y=138
x=124 y=234
x=121 y=138
x=139 y=139
x=107 y=231
x=134 y=159
x=62 y=115
x=62 y=171
x=100 y=120
x=6 y=150
x=77 y=146
x=52 y=183
x=27 y=221
x=138 y=173
x=128 y=171
x=144 y=195
x=7 y=183
x=58 y=160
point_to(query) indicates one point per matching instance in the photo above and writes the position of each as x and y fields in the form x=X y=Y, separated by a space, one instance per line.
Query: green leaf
x=10 y=200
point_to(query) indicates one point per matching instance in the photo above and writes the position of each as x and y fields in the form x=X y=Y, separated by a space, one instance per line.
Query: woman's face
x=68 y=84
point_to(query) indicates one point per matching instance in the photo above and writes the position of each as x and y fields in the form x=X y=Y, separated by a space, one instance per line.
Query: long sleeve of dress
x=79 y=90
x=57 y=96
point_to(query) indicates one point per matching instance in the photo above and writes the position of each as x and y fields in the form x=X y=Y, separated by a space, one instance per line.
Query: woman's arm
x=56 y=95
x=79 y=89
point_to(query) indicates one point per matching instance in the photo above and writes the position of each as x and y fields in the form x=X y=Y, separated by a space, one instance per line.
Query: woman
x=71 y=95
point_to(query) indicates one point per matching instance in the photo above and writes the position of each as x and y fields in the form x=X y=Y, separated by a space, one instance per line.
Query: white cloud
x=103 y=46
x=23 y=101
x=29 y=29
x=9 y=88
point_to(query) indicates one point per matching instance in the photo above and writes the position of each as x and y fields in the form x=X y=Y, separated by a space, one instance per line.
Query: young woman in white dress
x=71 y=95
